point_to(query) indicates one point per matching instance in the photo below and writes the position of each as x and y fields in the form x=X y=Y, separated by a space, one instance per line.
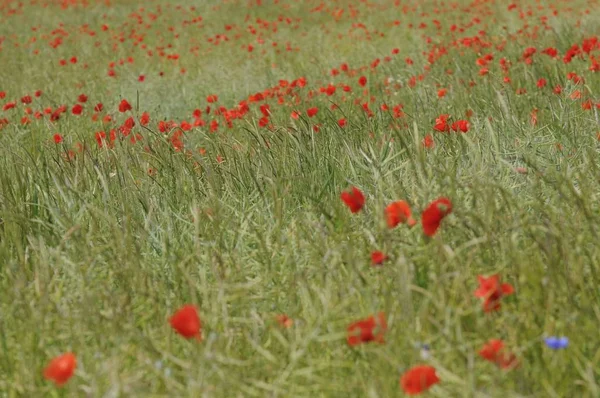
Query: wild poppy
x=355 y=200
x=377 y=258
x=441 y=123
x=284 y=321
x=77 y=109
x=145 y=119
x=9 y=105
x=428 y=141
x=398 y=212
x=366 y=330
x=461 y=125
x=312 y=111
x=362 y=81
x=491 y=291
x=124 y=106
x=419 y=379
x=490 y=350
x=541 y=82
x=493 y=351
x=265 y=109
x=61 y=368
x=434 y=214
x=263 y=121
x=187 y=323
x=57 y=138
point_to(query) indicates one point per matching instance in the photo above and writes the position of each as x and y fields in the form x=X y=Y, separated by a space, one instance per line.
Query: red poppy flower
x=557 y=89
x=377 y=258
x=57 y=138
x=77 y=109
x=342 y=122
x=312 y=111
x=441 y=123
x=494 y=352
x=461 y=125
x=428 y=141
x=284 y=321
x=366 y=330
x=61 y=368
x=129 y=123
x=187 y=323
x=124 y=106
x=9 y=105
x=398 y=212
x=490 y=351
x=419 y=379
x=145 y=119
x=355 y=200
x=541 y=82
x=82 y=98
x=263 y=121
x=434 y=214
x=265 y=109
x=491 y=291
x=362 y=81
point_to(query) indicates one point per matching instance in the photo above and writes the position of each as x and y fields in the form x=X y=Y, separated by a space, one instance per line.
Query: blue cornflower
x=557 y=343
x=425 y=351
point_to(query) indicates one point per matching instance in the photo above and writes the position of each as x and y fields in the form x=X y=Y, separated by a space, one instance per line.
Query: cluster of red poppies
x=372 y=329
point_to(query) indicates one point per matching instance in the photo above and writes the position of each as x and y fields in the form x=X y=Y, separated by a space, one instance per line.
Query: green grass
x=96 y=252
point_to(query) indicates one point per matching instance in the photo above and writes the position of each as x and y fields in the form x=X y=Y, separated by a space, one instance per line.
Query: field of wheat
x=299 y=198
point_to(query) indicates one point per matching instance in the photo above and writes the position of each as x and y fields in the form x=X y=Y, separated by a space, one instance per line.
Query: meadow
x=286 y=198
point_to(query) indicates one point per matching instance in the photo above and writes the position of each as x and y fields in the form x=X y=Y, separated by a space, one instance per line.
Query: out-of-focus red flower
x=419 y=379
x=433 y=215
x=491 y=290
x=354 y=199
x=377 y=258
x=61 y=368
x=399 y=212
x=441 y=123
x=187 y=323
x=366 y=330
x=493 y=351
x=124 y=106
x=284 y=321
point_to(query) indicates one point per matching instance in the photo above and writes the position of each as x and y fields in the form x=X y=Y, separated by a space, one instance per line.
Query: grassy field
x=221 y=186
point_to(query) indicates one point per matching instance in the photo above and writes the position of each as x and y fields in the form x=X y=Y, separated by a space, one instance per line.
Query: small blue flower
x=557 y=343
x=425 y=351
